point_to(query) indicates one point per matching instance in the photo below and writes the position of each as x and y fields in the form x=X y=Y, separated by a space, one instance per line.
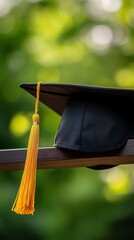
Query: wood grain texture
x=13 y=159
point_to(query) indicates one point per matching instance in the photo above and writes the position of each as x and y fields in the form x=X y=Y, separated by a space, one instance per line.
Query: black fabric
x=94 y=125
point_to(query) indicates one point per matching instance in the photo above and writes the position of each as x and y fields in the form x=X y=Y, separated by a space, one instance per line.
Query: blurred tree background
x=68 y=41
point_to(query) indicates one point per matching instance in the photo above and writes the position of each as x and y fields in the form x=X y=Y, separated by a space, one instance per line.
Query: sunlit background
x=63 y=41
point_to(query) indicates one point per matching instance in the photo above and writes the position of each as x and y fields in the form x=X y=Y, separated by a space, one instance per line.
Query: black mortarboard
x=94 y=119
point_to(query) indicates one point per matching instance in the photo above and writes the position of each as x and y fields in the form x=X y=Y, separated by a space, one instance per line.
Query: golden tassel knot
x=36 y=118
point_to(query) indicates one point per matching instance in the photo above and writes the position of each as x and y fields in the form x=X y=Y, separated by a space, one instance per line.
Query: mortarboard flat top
x=55 y=95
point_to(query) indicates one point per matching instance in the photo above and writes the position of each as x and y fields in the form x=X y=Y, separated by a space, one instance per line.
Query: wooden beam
x=13 y=159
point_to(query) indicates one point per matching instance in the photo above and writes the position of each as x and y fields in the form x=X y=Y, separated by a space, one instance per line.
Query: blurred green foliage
x=81 y=41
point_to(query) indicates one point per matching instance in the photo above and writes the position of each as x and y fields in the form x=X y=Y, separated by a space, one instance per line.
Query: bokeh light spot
x=111 y=5
x=100 y=37
x=117 y=183
x=4 y=7
x=19 y=124
x=125 y=78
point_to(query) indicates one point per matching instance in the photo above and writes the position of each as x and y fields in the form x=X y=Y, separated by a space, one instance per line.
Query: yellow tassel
x=24 y=202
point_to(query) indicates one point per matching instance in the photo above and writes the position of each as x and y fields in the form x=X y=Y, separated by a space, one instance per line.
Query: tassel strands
x=24 y=202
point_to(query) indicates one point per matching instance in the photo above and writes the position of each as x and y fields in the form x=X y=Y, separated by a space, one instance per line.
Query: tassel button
x=36 y=118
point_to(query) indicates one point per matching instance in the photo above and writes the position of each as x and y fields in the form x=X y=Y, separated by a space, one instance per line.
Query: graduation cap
x=94 y=119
